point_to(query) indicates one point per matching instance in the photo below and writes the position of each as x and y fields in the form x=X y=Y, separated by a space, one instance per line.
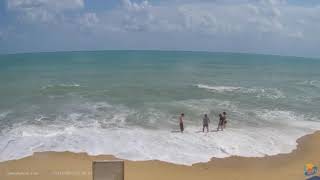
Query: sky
x=282 y=27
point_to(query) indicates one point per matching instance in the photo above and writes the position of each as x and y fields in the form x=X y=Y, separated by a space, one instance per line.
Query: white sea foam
x=312 y=83
x=41 y=117
x=102 y=128
x=219 y=88
x=271 y=93
x=146 y=144
x=315 y=83
x=71 y=85
x=289 y=119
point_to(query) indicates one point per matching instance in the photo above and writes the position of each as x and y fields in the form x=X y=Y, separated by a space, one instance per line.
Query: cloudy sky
x=285 y=27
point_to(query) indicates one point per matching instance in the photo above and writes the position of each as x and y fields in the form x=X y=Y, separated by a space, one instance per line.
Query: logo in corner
x=310 y=170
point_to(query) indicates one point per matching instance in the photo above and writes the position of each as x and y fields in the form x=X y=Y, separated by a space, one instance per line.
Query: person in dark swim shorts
x=221 y=122
x=181 y=122
x=224 y=120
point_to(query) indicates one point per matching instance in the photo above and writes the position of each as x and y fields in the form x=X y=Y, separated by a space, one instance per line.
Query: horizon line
x=158 y=50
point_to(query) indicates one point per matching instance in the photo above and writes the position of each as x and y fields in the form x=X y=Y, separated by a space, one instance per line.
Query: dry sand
x=73 y=166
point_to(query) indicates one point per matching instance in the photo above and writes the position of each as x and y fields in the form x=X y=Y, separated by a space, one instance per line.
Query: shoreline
x=69 y=165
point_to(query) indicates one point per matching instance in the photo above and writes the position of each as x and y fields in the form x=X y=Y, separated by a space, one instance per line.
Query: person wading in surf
x=205 y=123
x=224 y=119
x=181 y=123
x=221 y=121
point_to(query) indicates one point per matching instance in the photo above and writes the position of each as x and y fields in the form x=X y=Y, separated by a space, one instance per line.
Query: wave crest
x=72 y=85
x=271 y=93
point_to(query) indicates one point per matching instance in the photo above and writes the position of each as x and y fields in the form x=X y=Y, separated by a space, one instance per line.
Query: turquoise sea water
x=127 y=103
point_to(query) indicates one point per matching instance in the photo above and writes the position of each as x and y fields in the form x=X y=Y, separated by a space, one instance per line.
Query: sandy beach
x=77 y=166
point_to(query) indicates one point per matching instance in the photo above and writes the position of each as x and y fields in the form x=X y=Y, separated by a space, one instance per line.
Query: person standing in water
x=181 y=122
x=224 y=119
x=205 y=123
x=221 y=122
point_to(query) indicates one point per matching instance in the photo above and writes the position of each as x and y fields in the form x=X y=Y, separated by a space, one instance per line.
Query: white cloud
x=43 y=10
x=133 y=6
x=89 y=20
x=259 y=17
x=200 y=17
x=209 y=18
x=240 y=17
x=54 y=5
x=136 y=16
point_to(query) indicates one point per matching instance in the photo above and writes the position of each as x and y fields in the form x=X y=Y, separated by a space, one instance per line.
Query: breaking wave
x=271 y=93
x=102 y=128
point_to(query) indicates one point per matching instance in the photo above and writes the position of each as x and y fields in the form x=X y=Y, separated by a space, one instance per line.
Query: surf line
x=5 y=147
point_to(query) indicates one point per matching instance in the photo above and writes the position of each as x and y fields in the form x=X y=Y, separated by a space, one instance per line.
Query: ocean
x=127 y=104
